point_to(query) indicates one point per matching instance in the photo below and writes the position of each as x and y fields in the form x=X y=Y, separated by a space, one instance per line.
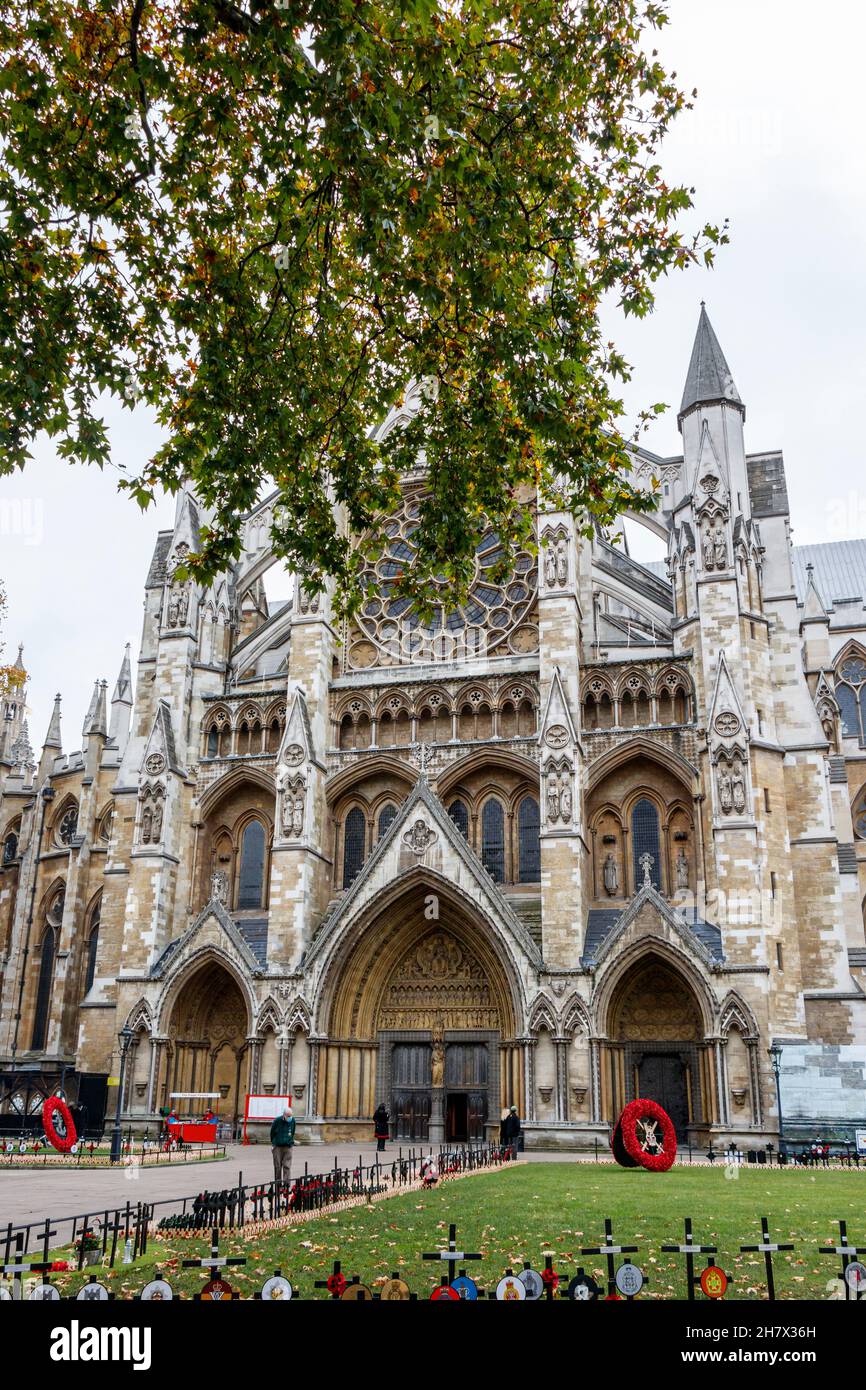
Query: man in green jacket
x=282 y=1141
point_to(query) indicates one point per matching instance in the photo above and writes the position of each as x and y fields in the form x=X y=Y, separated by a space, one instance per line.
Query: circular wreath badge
x=60 y=1135
x=644 y=1137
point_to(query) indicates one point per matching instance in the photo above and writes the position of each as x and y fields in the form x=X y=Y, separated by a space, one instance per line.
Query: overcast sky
x=775 y=144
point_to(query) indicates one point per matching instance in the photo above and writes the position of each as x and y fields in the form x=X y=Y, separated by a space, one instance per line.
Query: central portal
x=466 y=1077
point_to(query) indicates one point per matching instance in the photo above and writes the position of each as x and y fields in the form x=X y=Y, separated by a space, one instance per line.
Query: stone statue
x=726 y=792
x=173 y=608
x=298 y=811
x=565 y=800
x=682 y=870
x=562 y=562
x=738 y=788
x=288 y=808
x=219 y=886
x=157 y=822
x=552 y=798
x=437 y=1065
x=183 y=605
x=550 y=567
x=721 y=550
x=709 y=553
x=146 y=825
x=611 y=876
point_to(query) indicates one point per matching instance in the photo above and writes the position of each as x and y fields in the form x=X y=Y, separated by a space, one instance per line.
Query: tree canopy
x=266 y=219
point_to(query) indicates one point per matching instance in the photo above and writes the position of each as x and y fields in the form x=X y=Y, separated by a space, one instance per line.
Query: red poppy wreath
x=644 y=1137
x=64 y=1137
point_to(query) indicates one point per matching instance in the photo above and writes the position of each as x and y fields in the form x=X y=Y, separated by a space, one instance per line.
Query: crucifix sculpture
x=646 y=862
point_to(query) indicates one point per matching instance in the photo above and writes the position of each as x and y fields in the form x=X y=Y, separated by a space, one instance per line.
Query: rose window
x=494 y=619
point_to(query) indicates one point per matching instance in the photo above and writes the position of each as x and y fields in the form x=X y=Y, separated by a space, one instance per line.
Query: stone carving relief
x=178 y=597
x=731 y=784
x=559 y=797
x=714 y=545
x=556 y=560
x=727 y=724
x=152 y=798
x=219 y=886
x=307 y=602
x=419 y=837
x=439 y=985
x=293 y=809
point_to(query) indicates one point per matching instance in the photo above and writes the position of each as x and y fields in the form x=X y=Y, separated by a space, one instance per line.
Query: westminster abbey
x=598 y=833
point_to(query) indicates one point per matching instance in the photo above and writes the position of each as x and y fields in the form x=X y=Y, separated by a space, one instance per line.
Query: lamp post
x=124 y=1037
x=776 y=1061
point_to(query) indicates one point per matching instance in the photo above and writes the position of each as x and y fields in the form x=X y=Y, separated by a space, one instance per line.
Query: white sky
x=775 y=144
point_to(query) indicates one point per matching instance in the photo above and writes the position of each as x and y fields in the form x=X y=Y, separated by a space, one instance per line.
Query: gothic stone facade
x=599 y=833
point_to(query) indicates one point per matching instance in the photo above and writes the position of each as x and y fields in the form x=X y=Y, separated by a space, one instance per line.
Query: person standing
x=512 y=1129
x=381 y=1130
x=282 y=1143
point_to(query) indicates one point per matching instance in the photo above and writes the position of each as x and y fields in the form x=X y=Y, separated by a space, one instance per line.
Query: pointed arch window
x=529 y=843
x=460 y=816
x=354 y=845
x=213 y=741
x=252 y=866
x=645 y=840
x=851 y=695
x=493 y=839
x=386 y=816
x=92 y=948
x=43 y=990
x=10 y=847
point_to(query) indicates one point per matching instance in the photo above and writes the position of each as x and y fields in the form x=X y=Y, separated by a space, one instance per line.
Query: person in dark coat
x=503 y=1128
x=380 y=1127
x=512 y=1128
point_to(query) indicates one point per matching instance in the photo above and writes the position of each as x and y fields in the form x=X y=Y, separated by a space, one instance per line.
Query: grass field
x=518 y=1213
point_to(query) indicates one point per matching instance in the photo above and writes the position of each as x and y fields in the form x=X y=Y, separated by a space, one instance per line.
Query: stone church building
x=598 y=832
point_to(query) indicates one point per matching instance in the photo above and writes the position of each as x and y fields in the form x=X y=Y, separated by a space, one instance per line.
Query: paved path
x=29 y=1195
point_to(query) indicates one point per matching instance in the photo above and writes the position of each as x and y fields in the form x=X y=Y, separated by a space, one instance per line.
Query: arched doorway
x=422 y=1016
x=207 y=1031
x=657 y=1049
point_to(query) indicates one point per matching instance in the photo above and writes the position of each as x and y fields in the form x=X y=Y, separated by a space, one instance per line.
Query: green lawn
x=518 y=1213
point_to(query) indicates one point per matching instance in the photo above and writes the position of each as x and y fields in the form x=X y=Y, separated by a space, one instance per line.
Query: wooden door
x=662 y=1078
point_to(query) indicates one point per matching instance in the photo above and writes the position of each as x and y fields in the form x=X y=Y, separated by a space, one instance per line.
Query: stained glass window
x=460 y=816
x=386 y=816
x=92 y=947
x=68 y=825
x=353 y=844
x=493 y=840
x=252 y=870
x=530 y=846
x=43 y=991
x=645 y=840
x=851 y=695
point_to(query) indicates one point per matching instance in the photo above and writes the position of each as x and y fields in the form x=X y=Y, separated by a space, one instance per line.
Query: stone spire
x=52 y=738
x=709 y=380
x=52 y=747
x=121 y=705
x=21 y=753
x=95 y=721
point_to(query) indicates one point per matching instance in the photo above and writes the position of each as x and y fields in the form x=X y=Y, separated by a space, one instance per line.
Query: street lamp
x=776 y=1060
x=124 y=1037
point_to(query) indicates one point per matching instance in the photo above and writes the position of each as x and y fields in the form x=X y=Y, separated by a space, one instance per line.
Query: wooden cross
x=452 y=1254
x=767 y=1249
x=337 y=1282
x=690 y=1249
x=216 y=1261
x=609 y=1249
x=848 y=1252
x=17 y=1267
